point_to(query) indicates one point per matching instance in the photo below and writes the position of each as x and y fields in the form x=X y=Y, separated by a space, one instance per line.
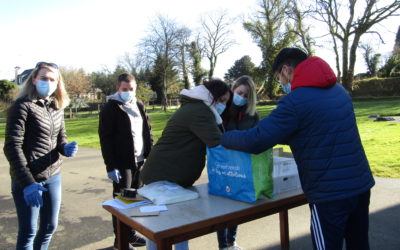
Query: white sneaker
x=234 y=247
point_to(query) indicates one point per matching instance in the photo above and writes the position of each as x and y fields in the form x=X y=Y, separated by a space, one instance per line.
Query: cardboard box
x=285 y=174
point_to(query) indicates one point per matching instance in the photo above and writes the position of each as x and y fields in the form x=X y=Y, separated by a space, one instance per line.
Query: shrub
x=377 y=87
x=7 y=90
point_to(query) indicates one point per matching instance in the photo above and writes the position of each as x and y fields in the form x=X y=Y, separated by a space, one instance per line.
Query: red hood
x=313 y=72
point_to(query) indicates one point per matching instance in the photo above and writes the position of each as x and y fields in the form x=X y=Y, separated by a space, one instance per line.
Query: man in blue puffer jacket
x=317 y=120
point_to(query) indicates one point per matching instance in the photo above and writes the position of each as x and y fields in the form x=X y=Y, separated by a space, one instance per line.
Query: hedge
x=377 y=87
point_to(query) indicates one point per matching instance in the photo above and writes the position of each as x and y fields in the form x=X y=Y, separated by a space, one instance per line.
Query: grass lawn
x=381 y=140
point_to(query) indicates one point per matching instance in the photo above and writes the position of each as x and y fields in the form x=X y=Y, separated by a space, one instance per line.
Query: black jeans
x=129 y=179
x=227 y=236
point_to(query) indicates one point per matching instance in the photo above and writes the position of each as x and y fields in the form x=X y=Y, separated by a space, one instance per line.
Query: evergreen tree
x=396 y=49
x=243 y=66
x=198 y=73
x=271 y=30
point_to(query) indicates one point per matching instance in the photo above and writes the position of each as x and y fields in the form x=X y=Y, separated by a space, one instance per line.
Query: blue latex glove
x=70 y=149
x=33 y=194
x=114 y=175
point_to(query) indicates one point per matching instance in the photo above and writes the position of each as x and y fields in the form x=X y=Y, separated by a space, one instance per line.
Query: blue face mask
x=127 y=96
x=45 y=88
x=287 y=88
x=238 y=100
x=220 y=107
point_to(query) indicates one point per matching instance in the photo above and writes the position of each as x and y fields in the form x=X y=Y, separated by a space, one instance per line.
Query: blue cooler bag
x=238 y=175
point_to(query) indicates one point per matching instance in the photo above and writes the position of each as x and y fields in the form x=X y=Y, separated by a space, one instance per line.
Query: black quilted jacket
x=35 y=137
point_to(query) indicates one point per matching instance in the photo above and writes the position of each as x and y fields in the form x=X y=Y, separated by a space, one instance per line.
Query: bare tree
x=217 y=37
x=347 y=27
x=76 y=81
x=130 y=62
x=160 y=45
x=183 y=43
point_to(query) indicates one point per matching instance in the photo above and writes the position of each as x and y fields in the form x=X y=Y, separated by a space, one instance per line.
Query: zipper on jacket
x=51 y=136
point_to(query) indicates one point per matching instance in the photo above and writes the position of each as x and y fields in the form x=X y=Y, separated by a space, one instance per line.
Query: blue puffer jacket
x=317 y=121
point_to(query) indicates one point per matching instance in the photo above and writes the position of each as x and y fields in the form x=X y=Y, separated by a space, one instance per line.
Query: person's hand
x=70 y=149
x=114 y=175
x=33 y=194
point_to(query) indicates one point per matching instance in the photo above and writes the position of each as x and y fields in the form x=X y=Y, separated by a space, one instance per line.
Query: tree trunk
x=164 y=93
x=345 y=69
x=270 y=87
x=185 y=76
x=184 y=70
x=211 y=71
x=186 y=80
x=352 y=61
x=337 y=59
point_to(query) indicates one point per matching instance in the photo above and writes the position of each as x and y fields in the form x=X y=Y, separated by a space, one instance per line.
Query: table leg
x=162 y=245
x=284 y=228
x=122 y=235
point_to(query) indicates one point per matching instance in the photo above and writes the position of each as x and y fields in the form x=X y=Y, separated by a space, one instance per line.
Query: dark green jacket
x=179 y=154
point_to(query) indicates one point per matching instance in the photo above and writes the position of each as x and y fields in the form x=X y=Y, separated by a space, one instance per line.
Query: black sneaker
x=116 y=245
x=136 y=240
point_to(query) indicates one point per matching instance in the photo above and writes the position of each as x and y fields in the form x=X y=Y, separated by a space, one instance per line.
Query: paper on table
x=121 y=205
x=135 y=212
x=148 y=209
x=165 y=192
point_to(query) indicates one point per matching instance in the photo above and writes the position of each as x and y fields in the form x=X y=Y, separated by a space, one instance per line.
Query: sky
x=95 y=34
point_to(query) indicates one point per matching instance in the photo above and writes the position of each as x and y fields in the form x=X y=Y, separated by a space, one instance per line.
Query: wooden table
x=209 y=213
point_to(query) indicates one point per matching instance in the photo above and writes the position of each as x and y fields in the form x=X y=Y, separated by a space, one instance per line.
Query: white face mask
x=127 y=96
x=45 y=88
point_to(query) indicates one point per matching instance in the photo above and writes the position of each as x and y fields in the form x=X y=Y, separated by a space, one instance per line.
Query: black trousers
x=129 y=179
x=342 y=220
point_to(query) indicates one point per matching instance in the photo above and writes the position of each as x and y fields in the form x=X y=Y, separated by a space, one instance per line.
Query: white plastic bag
x=165 y=192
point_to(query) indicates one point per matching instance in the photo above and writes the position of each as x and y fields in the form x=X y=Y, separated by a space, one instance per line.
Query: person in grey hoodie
x=125 y=139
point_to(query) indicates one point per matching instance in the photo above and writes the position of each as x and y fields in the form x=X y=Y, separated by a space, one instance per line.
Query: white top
x=136 y=119
x=132 y=109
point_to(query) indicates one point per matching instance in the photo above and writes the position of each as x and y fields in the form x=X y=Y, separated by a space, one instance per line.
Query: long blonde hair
x=252 y=95
x=60 y=95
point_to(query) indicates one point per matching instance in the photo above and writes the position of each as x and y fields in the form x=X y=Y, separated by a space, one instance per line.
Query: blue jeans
x=227 y=236
x=28 y=235
x=184 y=245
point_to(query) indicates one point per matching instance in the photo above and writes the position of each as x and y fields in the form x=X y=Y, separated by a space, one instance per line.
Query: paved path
x=84 y=224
